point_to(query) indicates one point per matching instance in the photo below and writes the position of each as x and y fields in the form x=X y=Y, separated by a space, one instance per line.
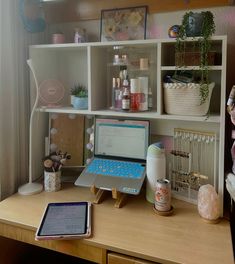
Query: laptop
x=120 y=149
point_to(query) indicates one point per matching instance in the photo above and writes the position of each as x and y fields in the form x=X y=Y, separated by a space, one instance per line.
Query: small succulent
x=79 y=90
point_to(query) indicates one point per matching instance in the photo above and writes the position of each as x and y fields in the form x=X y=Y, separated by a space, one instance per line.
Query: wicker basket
x=184 y=99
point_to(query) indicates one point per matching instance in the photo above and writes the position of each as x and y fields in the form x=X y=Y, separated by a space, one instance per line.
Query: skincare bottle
x=126 y=100
x=135 y=95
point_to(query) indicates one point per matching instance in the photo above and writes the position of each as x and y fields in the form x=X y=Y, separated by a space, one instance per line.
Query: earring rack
x=193 y=163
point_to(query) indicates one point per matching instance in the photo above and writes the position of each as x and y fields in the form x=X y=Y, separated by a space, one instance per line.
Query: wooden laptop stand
x=100 y=195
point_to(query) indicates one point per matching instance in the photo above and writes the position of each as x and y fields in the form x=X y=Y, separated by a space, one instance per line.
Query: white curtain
x=14 y=97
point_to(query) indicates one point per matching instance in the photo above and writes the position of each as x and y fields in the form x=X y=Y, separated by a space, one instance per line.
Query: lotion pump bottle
x=155 y=168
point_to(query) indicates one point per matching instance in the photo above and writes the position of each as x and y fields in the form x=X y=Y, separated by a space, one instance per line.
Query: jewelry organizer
x=192 y=163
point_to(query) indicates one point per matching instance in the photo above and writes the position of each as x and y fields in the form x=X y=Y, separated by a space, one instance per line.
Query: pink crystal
x=208 y=202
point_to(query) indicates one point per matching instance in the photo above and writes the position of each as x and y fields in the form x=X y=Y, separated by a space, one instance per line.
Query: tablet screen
x=64 y=219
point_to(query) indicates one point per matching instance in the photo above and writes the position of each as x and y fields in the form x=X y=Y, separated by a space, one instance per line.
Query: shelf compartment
x=69 y=66
x=103 y=58
x=191 y=54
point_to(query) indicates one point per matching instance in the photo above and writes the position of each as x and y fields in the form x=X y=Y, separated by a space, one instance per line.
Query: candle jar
x=58 y=38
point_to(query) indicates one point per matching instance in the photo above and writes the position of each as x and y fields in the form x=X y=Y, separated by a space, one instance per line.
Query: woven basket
x=184 y=99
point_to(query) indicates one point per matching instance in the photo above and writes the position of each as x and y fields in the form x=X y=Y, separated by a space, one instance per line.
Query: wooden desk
x=134 y=230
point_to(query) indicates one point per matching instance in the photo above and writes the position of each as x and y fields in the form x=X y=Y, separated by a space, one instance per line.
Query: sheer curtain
x=14 y=97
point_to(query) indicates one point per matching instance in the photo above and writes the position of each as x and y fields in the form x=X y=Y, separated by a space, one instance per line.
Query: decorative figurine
x=173 y=31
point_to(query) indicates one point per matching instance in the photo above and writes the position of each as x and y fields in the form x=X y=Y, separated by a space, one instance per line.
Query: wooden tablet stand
x=100 y=195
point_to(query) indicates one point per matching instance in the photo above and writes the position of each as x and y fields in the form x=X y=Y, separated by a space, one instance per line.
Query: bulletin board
x=67 y=135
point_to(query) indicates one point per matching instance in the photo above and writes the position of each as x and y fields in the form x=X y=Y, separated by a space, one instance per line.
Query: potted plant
x=79 y=97
x=202 y=26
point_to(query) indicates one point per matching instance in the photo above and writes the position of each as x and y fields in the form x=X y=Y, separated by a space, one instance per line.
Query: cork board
x=67 y=135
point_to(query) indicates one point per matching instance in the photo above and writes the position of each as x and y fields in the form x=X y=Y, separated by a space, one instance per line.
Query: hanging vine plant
x=202 y=26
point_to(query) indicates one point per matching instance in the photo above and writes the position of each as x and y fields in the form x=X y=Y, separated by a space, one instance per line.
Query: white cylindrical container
x=52 y=181
x=155 y=169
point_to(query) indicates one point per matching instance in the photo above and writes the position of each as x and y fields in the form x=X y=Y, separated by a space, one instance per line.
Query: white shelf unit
x=92 y=65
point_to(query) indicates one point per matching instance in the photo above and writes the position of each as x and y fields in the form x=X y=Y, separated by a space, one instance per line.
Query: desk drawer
x=114 y=258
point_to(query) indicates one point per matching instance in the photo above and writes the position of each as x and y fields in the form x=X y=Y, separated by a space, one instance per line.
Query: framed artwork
x=123 y=24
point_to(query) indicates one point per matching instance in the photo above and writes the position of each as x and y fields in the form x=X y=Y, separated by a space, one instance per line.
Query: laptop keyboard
x=116 y=168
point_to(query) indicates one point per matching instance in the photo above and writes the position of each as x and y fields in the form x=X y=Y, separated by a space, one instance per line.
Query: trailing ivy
x=204 y=45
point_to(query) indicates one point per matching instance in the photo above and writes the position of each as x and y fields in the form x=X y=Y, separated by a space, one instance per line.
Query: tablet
x=69 y=220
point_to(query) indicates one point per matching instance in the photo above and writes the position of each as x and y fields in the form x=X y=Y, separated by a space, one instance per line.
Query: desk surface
x=134 y=230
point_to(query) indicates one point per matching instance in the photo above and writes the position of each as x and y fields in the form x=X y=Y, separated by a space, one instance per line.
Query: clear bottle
x=113 y=93
x=80 y=35
x=150 y=99
x=77 y=36
x=118 y=95
x=143 y=81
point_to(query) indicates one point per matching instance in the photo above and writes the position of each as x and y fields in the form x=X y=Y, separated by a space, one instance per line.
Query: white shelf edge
x=116 y=43
x=210 y=119
x=64 y=110
x=148 y=114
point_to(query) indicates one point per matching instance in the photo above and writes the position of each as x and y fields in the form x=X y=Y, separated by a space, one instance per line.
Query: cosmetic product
x=135 y=95
x=143 y=82
x=126 y=99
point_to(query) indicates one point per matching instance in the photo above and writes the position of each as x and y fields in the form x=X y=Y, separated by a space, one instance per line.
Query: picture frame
x=123 y=24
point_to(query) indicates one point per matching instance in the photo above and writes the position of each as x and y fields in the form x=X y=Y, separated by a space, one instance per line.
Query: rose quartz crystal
x=208 y=202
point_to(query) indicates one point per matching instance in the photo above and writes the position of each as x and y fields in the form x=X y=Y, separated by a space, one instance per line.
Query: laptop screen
x=121 y=138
